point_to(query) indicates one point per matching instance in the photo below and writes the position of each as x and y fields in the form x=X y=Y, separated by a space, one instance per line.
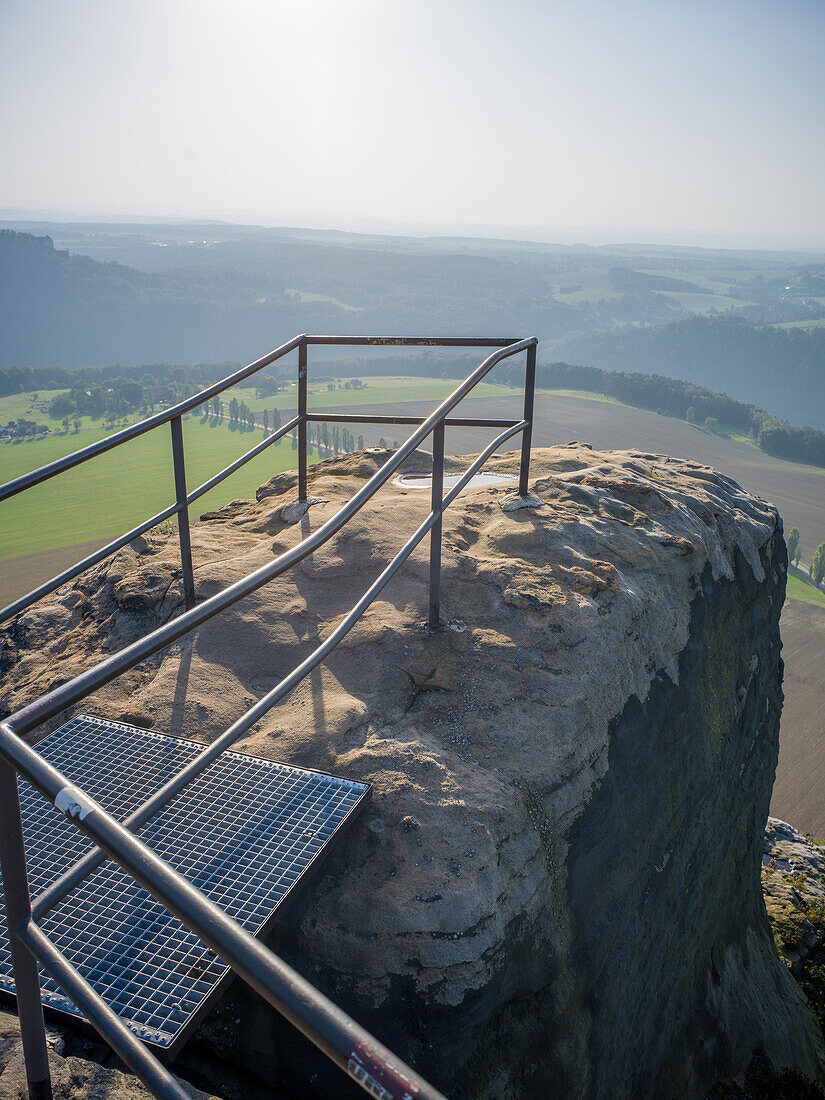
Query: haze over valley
x=566 y=706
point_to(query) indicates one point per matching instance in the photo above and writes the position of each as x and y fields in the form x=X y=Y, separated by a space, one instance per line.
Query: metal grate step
x=248 y=833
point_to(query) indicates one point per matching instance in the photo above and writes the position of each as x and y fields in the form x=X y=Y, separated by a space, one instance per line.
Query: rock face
x=556 y=889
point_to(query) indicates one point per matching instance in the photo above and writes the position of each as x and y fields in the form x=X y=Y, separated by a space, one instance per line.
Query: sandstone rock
x=72 y=1078
x=577 y=909
x=142 y=589
x=793 y=882
x=514 y=502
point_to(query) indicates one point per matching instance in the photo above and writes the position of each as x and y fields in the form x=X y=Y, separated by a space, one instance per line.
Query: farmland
x=101 y=499
x=799 y=792
x=376 y=390
x=78 y=507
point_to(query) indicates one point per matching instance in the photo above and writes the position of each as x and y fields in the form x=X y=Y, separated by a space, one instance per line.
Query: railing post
x=527 y=434
x=302 y=423
x=18 y=911
x=435 y=532
x=183 y=513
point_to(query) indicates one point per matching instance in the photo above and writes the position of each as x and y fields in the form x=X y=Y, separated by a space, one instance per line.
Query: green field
x=801 y=588
x=376 y=391
x=701 y=303
x=114 y=492
x=818 y=322
x=107 y=496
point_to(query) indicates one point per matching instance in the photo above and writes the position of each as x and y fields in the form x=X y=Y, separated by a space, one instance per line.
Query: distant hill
x=58 y=309
x=780 y=370
x=61 y=309
x=626 y=280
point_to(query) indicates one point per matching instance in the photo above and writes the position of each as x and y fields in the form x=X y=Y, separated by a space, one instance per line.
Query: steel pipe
x=92 y=679
x=18 y=911
x=108 y=1024
x=360 y=418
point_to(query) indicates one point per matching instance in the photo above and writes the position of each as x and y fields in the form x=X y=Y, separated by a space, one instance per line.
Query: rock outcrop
x=793 y=882
x=72 y=1078
x=556 y=889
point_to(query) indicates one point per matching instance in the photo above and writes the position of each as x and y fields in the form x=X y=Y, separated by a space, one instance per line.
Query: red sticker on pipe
x=368 y=1067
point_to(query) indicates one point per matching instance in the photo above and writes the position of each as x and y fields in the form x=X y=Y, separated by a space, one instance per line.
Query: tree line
x=673 y=397
x=818 y=562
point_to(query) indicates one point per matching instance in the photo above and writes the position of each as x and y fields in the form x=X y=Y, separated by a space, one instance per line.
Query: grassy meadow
x=114 y=492
x=800 y=587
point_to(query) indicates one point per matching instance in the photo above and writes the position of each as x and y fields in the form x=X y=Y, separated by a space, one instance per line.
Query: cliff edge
x=556 y=888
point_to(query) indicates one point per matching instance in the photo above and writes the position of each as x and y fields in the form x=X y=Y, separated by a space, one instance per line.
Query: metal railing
x=347 y=1044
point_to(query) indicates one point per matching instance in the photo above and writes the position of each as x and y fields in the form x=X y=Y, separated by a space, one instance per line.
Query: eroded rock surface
x=556 y=888
x=72 y=1078
x=793 y=882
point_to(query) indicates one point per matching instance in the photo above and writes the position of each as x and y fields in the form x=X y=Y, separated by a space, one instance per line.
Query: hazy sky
x=661 y=114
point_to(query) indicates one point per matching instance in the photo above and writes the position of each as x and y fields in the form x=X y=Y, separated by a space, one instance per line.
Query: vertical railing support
x=18 y=911
x=435 y=532
x=527 y=434
x=183 y=513
x=302 y=423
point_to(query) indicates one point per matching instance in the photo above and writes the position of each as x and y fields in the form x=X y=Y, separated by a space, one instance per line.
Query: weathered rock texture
x=556 y=889
x=72 y=1078
x=793 y=882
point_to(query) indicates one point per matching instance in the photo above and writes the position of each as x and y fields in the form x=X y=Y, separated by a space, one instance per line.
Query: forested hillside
x=63 y=309
x=58 y=309
x=781 y=370
x=695 y=316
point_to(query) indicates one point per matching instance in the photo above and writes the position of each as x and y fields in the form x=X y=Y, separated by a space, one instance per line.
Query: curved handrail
x=94 y=678
x=60 y=465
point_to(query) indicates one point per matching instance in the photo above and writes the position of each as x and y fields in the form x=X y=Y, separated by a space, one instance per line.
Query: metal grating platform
x=247 y=832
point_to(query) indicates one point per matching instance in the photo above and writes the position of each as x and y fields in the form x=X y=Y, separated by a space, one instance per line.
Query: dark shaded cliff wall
x=665 y=862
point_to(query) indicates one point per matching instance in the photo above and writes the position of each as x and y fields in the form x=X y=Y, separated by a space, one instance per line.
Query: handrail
x=173 y=416
x=330 y=1029
x=60 y=465
x=94 y=678
x=73 y=875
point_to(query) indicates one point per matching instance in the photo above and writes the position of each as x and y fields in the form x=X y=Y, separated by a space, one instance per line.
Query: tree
x=818 y=565
x=65 y=423
x=793 y=545
x=76 y=426
x=266 y=422
x=690 y=415
x=360 y=443
x=711 y=423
